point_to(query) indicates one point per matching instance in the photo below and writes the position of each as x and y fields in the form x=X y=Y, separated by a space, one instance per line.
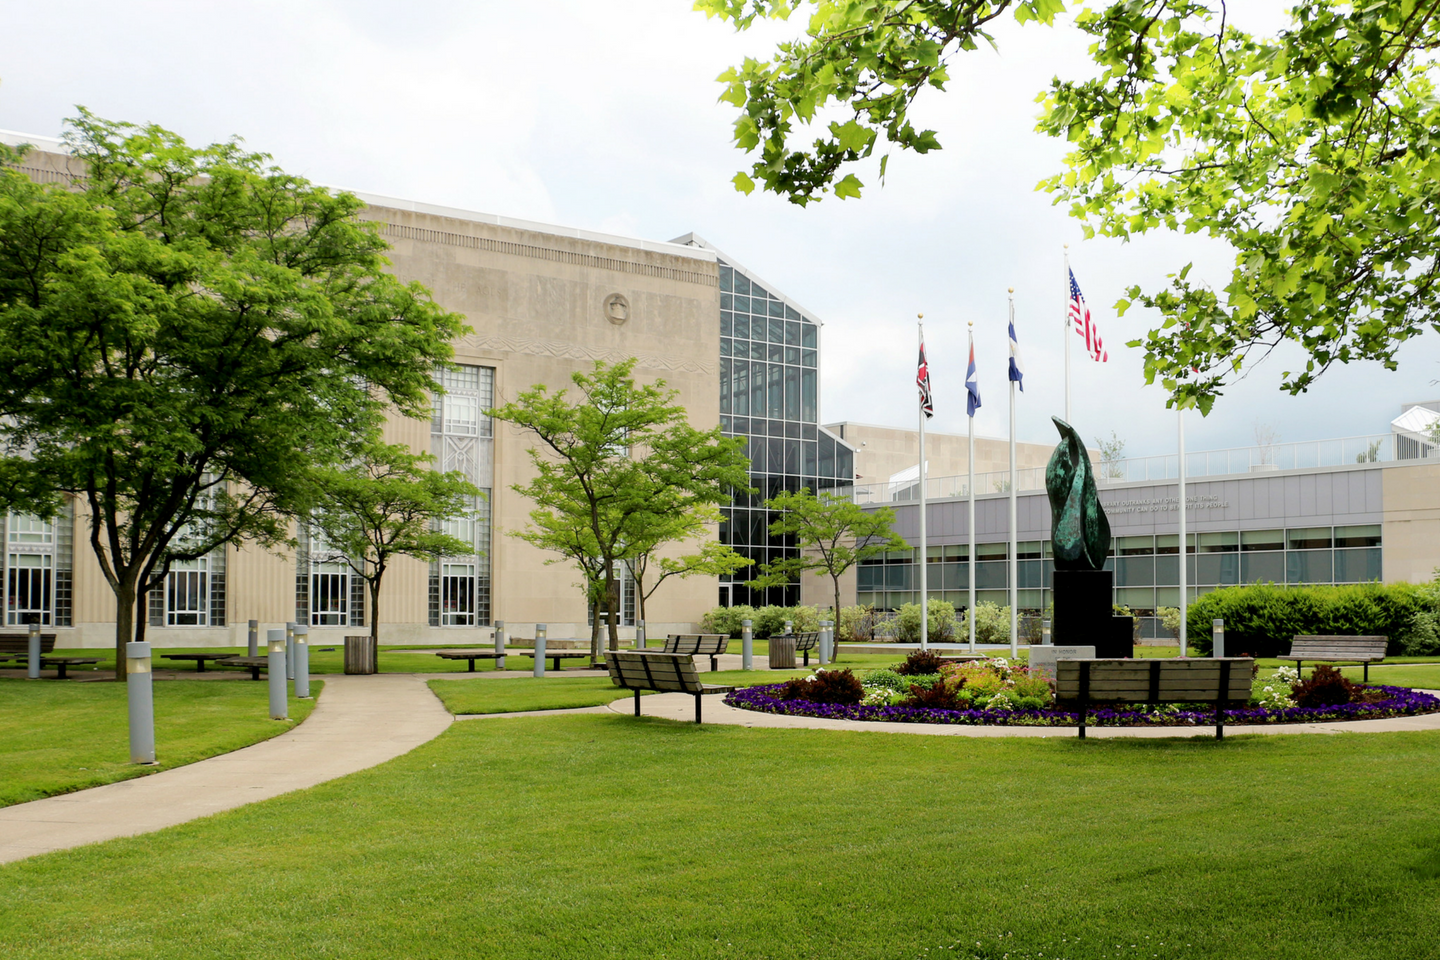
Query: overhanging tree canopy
x=1310 y=152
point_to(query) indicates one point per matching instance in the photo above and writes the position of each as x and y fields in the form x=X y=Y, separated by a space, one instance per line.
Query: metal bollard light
x=275 y=641
x=140 y=693
x=500 y=644
x=639 y=634
x=747 y=645
x=824 y=644
x=252 y=639
x=789 y=627
x=32 y=657
x=289 y=651
x=1219 y=649
x=540 y=649
x=1045 y=638
x=302 y=662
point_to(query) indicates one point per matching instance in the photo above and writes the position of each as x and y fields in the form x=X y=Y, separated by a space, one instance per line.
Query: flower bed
x=1398 y=702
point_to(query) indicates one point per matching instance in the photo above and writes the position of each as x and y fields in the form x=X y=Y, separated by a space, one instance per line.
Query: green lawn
x=605 y=836
x=561 y=693
x=58 y=737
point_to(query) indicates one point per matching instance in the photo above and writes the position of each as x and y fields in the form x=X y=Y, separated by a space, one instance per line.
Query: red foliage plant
x=1326 y=687
x=939 y=697
x=920 y=663
x=826 y=686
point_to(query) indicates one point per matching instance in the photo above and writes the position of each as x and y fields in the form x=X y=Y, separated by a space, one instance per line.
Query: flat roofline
x=14 y=138
x=535 y=226
x=928 y=432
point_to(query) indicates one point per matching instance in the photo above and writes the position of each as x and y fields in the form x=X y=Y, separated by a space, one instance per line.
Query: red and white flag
x=1085 y=326
x=922 y=380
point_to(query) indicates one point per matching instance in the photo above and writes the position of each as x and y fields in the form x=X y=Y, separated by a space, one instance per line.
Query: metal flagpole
x=1184 y=554
x=924 y=557
x=1014 y=567
x=1066 y=331
x=970 y=554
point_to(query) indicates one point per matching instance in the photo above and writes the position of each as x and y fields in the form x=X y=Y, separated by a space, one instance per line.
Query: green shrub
x=1423 y=637
x=770 y=620
x=1170 y=621
x=939 y=626
x=992 y=623
x=859 y=624
x=807 y=619
x=726 y=620
x=1262 y=619
x=887 y=680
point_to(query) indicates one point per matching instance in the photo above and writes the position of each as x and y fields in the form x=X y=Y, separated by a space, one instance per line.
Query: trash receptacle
x=782 y=652
x=360 y=655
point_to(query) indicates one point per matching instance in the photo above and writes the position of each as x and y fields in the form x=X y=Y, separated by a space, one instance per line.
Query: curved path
x=359 y=721
x=681 y=706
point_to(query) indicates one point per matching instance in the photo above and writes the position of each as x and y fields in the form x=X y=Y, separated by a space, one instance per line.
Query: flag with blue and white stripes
x=1017 y=368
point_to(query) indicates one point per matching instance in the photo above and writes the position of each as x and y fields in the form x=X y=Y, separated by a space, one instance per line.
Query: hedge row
x=1262 y=619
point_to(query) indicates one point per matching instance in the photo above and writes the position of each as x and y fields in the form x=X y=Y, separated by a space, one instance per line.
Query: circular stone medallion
x=617 y=308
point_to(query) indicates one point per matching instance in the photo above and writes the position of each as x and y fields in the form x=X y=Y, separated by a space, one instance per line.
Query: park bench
x=473 y=655
x=805 y=642
x=16 y=646
x=698 y=645
x=655 y=670
x=1366 y=650
x=1219 y=680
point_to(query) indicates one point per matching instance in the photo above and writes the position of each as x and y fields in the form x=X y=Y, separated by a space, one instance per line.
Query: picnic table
x=199 y=658
x=473 y=655
x=253 y=664
x=555 y=656
x=60 y=663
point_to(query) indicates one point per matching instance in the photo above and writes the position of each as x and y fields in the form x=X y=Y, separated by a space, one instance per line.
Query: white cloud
x=604 y=116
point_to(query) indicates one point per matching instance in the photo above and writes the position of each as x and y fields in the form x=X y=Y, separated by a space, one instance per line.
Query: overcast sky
x=604 y=116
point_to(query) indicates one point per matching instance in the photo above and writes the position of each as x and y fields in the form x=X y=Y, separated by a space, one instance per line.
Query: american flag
x=922 y=380
x=1085 y=326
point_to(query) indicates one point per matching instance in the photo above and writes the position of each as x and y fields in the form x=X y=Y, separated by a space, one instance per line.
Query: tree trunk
x=124 y=620
x=594 y=601
x=375 y=615
x=611 y=606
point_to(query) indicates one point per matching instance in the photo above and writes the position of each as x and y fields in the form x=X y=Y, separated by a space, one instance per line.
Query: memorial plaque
x=1042 y=659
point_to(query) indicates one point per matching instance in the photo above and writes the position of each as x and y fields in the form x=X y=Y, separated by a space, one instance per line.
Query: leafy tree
x=612 y=468
x=714 y=558
x=1311 y=153
x=183 y=331
x=833 y=533
x=388 y=502
x=1112 y=451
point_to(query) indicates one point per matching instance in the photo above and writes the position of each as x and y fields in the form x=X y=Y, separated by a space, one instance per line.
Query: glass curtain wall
x=462 y=438
x=769 y=394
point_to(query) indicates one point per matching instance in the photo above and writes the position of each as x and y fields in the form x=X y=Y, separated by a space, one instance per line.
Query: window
x=329 y=594
x=626 y=583
x=460 y=586
x=187 y=593
x=29 y=589
x=35 y=569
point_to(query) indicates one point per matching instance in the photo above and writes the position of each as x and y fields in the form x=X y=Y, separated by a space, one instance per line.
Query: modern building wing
x=1333 y=511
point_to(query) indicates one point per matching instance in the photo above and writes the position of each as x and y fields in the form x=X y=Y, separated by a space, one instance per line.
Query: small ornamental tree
x=389 y=503
x=713 y=559
x=833 y=533
x=613 y=467
x=183 y=331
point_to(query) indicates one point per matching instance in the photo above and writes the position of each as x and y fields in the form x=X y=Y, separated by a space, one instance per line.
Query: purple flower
x=1400 y=701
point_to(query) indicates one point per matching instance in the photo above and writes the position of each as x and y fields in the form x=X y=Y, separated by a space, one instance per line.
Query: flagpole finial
x=920 y=316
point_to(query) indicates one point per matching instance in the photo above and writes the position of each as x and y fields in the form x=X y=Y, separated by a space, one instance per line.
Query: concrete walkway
x=360 y=721
x=681 y=706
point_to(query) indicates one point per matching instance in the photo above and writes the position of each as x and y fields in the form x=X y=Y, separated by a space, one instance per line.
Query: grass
x=60 y=737
x=563 y=693
x=605 y=836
